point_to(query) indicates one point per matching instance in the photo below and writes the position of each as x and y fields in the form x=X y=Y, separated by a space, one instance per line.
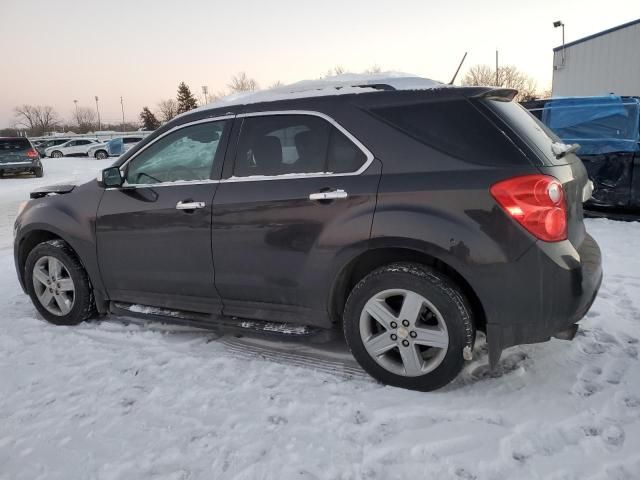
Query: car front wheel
x=408 y=325
x=56 y=154
x=101 y=155
x=58 y=284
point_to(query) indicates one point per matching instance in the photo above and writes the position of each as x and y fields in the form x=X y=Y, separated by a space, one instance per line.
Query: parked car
x=17 y=155
x=76 y=147
x=44 y=144
x=113 y=147
x=413 y=218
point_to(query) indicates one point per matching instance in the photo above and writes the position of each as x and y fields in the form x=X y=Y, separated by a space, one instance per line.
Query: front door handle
x=189 y=205
x=329 y=195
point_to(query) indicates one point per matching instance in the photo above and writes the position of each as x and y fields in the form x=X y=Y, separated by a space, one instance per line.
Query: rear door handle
x=329 y=195
x=189 y=205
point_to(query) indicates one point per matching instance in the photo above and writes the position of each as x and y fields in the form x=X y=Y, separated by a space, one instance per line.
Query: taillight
x=537 y=203
x=31 y=153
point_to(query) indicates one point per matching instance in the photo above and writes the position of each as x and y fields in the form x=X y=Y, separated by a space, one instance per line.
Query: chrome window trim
x=165 y=184
x=287 y=176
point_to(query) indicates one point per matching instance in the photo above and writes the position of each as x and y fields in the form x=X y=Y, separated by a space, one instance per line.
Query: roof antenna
x=459 y=67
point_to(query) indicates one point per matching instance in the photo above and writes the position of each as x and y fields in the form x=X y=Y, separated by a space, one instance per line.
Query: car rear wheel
x=38 y=172
x=56 y=154
x=58 y=285
x=407 y=325
x=101 y=155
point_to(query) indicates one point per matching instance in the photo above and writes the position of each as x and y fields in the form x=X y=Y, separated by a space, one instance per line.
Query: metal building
x=602 y=63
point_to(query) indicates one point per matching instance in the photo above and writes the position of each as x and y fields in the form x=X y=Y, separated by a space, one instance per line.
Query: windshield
x=8 y=145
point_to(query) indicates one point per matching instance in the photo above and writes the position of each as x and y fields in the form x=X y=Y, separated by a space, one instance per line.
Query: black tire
x=101 y=155
x=38 y=172
x=437 y=289
x=83 y=304
x=56 y=154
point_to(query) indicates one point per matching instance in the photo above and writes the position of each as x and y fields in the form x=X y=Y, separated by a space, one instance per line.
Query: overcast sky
x=58 y=51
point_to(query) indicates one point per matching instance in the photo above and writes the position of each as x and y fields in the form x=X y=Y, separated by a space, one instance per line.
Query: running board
x=212 y=322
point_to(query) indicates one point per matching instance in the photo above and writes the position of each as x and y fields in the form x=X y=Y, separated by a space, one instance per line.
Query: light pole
x=98 y=110
x=556 y=24
x=76 y=102
x=122 y=105
x=205 y=92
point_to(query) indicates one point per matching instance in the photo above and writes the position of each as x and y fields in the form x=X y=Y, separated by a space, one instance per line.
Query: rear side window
x=454 y=127
x=536 y=134
x=14 y=144
x=274 y=145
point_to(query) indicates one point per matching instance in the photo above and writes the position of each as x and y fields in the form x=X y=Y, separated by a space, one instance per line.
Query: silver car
x=113 y=148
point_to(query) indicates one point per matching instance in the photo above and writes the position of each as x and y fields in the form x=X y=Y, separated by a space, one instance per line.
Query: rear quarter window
x=531 y=130
x=455 y=127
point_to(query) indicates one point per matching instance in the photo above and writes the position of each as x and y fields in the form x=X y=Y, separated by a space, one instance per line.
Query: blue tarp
x=115 y=146
x=599 y=124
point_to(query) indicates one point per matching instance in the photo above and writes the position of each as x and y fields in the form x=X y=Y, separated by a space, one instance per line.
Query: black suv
x=18 y=155
x=413 y=217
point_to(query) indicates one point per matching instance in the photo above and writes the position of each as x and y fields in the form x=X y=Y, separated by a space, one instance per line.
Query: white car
x=78 y=147
x=113 y=148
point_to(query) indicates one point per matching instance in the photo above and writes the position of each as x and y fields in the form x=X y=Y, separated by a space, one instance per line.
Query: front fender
x=70 y=217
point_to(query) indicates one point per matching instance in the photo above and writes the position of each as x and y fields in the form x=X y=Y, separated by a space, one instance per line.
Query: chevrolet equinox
x=411 y=217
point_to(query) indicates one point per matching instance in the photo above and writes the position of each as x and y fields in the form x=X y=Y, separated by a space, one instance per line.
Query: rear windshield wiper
x=562 y=149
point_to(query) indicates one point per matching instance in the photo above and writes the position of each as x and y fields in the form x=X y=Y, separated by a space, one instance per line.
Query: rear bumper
x=562 y=282
x=15 y=167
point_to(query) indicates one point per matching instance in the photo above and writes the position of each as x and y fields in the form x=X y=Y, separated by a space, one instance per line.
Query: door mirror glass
x=111 y=177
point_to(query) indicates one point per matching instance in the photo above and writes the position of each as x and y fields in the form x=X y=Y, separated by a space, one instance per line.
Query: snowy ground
x=112 y=400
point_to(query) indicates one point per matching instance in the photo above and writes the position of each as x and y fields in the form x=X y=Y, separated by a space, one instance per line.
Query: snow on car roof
x=343 y=84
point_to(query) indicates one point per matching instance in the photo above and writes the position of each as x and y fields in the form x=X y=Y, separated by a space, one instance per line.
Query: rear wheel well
x=360 y=267
x=29 y=242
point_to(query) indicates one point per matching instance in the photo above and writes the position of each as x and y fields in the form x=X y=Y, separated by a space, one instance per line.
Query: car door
x=301 y=194
x=69 y=147
x=154 y=233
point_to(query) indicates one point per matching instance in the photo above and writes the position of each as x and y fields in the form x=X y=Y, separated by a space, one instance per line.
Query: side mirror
x=111 y=177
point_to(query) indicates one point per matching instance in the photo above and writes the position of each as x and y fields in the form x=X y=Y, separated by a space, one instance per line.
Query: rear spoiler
x=500 y=94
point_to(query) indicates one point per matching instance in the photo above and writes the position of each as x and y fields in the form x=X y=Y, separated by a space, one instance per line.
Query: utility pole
x=76 y=102
x=98 y=110
x=497 y=70
x=122 y=105
x=205 y=92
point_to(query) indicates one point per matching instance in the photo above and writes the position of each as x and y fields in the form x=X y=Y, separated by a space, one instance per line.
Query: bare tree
x=337 y=70
x=374 y=69
x=242 y=83
x=167 y=109
x=85 y=119
x=276 y=84
x=508 y=77
x=37 y=119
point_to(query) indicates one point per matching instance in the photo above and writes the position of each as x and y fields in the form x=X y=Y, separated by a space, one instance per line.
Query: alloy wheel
x=403 y=332
x=53 y=285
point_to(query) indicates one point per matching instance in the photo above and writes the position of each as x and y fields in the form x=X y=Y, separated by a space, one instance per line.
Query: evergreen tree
x=148 y=119
x=186 y=101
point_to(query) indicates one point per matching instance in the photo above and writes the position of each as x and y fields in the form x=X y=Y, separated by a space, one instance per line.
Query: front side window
x=273 y=145
x=187 y=154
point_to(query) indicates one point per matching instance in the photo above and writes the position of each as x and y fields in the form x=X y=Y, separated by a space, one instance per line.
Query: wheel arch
x=367 y=261
x=32 y=238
